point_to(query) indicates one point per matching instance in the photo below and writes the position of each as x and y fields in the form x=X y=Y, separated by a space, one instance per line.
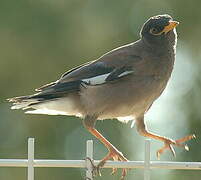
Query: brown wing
x=111 y=66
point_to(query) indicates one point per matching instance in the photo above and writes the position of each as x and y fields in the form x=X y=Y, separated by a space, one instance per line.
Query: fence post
x=30 y=175
x=89 y=155
x=147 y=159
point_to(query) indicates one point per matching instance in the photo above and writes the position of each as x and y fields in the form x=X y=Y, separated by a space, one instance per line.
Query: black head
x=159 y=30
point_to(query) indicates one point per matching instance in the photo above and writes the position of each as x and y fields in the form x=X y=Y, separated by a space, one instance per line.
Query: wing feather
x=109 y=67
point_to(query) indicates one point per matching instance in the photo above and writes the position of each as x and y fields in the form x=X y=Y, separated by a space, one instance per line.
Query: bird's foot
x=116 y=156
x=169 y=143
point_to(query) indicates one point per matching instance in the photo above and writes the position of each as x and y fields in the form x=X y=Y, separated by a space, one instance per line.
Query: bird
x=122 y=84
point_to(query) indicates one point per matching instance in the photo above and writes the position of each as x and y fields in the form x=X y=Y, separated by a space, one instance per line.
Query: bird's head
x=160 y=30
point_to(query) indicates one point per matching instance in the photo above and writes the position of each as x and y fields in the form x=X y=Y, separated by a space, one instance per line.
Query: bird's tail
x=53 y=99
x=51 y=104
x=23 y=102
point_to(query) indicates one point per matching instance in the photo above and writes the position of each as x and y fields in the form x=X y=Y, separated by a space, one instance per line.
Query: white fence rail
x=147 y=164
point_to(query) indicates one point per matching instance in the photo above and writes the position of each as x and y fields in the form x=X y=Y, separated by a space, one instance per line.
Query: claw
x=97 y=171
x=169 y=145
x=93 y=166
x=172 y=150
x=116 y=156
x=186 y=147
x=91 y=161
x=186 y=138
x=114 y=170
x=124 y=172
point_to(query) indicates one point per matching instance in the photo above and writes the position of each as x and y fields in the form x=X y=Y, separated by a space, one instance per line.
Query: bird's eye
x=154 y=31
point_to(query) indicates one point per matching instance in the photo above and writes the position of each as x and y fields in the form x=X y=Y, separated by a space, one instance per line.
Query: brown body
x=121 y=84
x=142 y=88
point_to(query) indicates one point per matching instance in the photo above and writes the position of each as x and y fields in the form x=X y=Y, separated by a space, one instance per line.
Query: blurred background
x=41 y=39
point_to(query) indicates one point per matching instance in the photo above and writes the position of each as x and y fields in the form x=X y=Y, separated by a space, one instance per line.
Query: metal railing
x=147 y=164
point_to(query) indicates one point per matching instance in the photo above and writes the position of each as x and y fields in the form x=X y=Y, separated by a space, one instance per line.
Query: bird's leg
x=168 y=143
x=114 y=153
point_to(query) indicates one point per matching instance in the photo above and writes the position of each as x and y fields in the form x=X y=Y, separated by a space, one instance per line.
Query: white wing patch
x=125 y=73
x=102 y=78
x=97 y=79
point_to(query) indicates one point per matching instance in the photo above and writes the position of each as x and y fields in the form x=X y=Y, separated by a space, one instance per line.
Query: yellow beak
x=170 y=26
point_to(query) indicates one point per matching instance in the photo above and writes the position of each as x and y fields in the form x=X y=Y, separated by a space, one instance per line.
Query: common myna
x=122 y=84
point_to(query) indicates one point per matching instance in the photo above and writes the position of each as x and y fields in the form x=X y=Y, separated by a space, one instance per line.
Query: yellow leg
x=114 y=153
x=168 y=143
